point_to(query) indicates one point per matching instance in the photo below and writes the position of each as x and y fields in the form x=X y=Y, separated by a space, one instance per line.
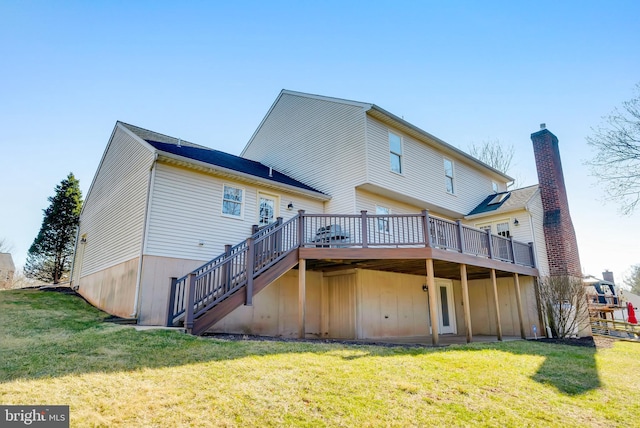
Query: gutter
x=145 y=230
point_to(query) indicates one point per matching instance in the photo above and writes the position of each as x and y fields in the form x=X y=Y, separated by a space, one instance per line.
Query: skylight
x=498 y=199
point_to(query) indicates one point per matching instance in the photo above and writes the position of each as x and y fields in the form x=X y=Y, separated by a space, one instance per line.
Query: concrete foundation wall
x=112 y=289
x=155 y=284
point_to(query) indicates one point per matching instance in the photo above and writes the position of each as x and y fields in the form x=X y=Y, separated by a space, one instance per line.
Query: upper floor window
x=494 y=185
x=383 y=222
x=232 y=200
x=395 y=152
x=448 y=175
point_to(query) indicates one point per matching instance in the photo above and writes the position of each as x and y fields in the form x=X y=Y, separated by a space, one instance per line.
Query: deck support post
x=494 y=283
x=301 y=238
x=461 y=242
x=302 y=285
x=489 y=244
x=433 y=302
x=365 y=232
x=172 y=301
x=465 y=301
x=425 y=228
x=516 y=283
x=190 y=290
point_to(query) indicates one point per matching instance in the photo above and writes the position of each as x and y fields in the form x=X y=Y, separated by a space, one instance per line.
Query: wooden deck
x=417 y=244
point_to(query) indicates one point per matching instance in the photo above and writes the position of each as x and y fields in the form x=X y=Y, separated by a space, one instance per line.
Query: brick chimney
x=608 y=276
x=559 y=235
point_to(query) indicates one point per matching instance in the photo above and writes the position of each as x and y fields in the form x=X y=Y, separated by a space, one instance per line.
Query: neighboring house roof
x=385 y=116
x=228 y=161
x=505 y=201
x=6 y=262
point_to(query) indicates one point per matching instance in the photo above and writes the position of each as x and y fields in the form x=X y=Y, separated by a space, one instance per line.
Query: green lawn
x=55 y=349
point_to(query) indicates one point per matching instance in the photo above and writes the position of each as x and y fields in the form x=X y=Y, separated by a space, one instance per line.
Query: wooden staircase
x=215 y=289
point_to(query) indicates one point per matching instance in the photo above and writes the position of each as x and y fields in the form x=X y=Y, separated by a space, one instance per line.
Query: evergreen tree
x=51 y=253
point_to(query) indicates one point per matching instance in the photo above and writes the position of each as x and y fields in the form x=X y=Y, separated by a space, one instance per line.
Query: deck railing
x=238 y=266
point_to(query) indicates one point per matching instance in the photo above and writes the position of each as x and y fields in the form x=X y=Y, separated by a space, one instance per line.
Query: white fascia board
x=241 y=175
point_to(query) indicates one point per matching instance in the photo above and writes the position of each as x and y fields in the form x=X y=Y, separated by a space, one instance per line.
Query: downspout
x=73 y=263
x=145 y=227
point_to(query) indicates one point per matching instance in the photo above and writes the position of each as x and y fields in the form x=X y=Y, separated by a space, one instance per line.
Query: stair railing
x=214 y=281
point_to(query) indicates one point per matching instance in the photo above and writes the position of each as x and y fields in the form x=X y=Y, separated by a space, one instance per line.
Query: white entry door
x=446 y=307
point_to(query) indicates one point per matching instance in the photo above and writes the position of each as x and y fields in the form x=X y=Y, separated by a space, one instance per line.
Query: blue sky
x=208 y=71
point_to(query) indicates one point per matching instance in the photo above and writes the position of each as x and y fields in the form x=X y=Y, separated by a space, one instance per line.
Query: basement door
x=446 y=307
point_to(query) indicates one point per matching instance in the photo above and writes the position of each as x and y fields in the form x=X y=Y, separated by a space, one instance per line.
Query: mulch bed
x=587 y=342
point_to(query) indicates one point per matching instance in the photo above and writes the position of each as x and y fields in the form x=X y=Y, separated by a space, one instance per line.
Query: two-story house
x=338 y=220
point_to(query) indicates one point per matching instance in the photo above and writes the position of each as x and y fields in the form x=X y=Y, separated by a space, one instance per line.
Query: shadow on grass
x=47 y=334
x=572 y=370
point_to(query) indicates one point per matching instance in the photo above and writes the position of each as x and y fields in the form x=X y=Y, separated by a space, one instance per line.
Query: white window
x=494 y=186
x=267 y=209
x=383 y=222
x=232 y=201
x=503 y=229
x=448 y=175
x=486 y=228
x=395 y=152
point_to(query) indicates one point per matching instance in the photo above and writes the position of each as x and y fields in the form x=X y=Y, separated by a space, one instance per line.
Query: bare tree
x=494 y=154
x=633 y=280
x=4 y=246
x=616 y=163
x=564 y=304
x=21 y=281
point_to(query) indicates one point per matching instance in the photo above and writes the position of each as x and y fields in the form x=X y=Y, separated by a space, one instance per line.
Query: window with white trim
x=232 y=201
x=267 y=208
x=494 y=186
x=395 y=152
x=448 y=175
x=503 y=229
x=383 y=222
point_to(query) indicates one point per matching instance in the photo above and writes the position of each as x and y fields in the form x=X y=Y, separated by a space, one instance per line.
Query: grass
x=55 y=349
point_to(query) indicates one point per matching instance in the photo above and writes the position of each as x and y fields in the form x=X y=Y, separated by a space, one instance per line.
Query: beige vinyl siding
x=422 y=175
x=114 y=211
x=368 y=201
x=275 y=310
x=482 y=307
x=316 y=141
x=537 y=218
x=186 y=209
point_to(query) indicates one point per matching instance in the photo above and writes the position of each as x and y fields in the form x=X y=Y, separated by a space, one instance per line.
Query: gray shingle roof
x=192 y=151
x=517 y=199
